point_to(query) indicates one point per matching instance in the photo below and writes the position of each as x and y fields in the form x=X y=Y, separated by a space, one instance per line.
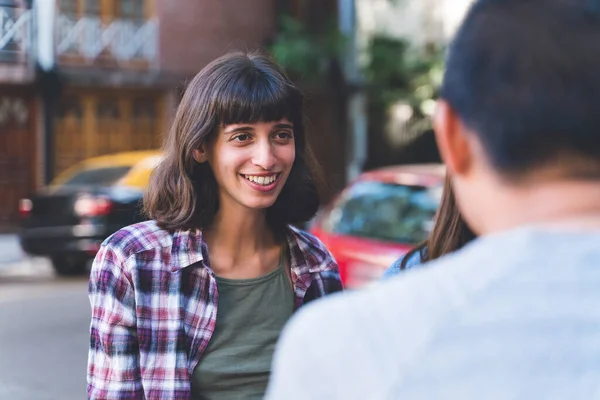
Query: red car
x=379 y=217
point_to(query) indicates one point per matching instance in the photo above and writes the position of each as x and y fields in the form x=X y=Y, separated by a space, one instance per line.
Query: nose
x=264 y=155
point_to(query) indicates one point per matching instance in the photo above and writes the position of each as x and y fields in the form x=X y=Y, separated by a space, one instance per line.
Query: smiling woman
x=222 y=115
x=251 y=162
x=190 y=304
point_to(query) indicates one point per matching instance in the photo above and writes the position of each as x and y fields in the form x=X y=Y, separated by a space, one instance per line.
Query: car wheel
x=69 y=266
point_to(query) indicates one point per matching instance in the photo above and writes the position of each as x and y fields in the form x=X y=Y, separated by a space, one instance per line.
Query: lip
x=262 y=188
x=262 y=174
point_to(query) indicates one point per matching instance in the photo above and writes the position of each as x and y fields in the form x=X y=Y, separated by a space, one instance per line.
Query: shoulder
x=362 y=321
x=340 y=338
x=414 y=298
x=398 y=311
x=414 y=259
x=311 y=249
x=137 y=238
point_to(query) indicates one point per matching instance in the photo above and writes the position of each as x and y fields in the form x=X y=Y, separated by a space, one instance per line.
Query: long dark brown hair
x=236 y=88
x=450 y=232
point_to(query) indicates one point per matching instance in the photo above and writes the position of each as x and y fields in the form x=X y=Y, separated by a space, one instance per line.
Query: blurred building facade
x=18 y=105
x=121 y=64
x=80 y=78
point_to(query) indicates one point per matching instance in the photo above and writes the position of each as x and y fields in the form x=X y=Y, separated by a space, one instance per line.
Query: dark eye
x=284 y=135
x=242 y=137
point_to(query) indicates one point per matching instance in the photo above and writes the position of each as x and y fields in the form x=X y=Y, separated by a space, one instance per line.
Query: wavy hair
x=450 y=231
x=235 y=88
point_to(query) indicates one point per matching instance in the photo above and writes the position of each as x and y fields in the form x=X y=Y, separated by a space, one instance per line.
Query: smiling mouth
x=262 y=180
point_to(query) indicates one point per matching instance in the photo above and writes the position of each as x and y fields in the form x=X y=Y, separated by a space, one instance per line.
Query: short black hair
x=524 y=75
x=235 y=88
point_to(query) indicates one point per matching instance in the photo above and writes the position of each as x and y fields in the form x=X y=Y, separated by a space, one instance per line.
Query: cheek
x=226 y=159
x=287 y=154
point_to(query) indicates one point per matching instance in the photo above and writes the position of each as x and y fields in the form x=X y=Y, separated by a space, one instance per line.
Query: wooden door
x=145 y=123
x=17 y=154
x=93 y=123
x=69 y=143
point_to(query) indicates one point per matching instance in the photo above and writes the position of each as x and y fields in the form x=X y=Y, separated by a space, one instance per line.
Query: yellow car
x=68 y=220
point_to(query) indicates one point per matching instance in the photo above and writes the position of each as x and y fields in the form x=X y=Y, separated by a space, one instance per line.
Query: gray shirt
x=514 y=315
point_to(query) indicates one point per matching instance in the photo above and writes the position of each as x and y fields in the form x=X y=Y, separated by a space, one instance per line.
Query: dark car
x=68 y=220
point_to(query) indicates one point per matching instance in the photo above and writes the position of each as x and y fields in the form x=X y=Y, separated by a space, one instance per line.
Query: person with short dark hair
x=190 y=304
x=515 y=313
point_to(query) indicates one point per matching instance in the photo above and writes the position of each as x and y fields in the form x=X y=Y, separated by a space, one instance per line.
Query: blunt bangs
x=258 y=96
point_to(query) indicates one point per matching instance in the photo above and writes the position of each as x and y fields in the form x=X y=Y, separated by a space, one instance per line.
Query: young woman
x=190 y=304
x=449 y=233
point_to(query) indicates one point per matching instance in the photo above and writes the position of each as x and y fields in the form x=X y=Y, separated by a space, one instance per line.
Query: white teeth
x=261 y=180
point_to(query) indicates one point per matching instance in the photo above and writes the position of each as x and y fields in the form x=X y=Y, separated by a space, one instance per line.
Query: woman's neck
x=238 y=231
x=240 y=238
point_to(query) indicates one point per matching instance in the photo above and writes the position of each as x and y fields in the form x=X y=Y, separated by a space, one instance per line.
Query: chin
x=262 y=204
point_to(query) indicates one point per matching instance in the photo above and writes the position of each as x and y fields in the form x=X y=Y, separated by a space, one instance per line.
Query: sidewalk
x=10 y=250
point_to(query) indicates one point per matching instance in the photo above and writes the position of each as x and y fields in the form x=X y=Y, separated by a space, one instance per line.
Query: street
x=44 y=324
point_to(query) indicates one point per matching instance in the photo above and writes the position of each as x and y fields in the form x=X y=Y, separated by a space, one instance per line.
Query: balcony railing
x=15 y=34
x=91 y=38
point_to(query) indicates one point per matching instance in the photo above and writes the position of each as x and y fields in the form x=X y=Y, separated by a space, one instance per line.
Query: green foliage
x=396 y=71
x=304 y=53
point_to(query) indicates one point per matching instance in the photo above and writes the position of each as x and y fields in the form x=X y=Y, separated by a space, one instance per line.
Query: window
x=91 y=7
x=131 y=9
x=97 y=176
x=69 y=6
x=388 y=212
x=13 y=39
x=78 y=7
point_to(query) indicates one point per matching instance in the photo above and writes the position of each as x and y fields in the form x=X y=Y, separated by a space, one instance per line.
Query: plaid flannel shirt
x=154 y=307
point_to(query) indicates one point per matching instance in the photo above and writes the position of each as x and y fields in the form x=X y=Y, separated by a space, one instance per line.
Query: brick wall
x=193 y=32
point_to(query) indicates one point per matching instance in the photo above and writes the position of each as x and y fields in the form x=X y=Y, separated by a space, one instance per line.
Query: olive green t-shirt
x=251 y=314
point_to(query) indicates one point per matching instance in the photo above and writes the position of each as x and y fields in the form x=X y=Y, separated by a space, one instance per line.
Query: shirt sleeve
x=394 y=269
x=113 y=361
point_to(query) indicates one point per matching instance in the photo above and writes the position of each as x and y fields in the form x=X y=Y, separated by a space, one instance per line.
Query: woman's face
x=251 y=162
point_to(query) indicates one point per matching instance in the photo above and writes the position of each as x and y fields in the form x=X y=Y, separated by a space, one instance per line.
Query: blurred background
x=88 y=88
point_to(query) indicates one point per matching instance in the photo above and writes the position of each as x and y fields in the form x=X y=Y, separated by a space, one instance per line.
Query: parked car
x=378 y=218
x=68 y=220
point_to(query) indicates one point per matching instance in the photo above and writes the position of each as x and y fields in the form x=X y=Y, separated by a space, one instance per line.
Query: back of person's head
x=235 y=88
x=524 y=77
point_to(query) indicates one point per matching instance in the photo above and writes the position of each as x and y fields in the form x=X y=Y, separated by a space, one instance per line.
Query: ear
x=451 y=136
x=200 y=155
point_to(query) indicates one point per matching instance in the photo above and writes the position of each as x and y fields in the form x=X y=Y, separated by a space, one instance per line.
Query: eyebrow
x=246 y=128
x=283 y=126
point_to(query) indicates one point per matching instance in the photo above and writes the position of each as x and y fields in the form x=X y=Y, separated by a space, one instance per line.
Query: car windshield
x=389 y=212
x=106 y=176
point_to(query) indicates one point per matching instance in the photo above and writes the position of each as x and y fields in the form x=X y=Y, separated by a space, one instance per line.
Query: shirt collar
x=187 y=248
x=305 y=257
